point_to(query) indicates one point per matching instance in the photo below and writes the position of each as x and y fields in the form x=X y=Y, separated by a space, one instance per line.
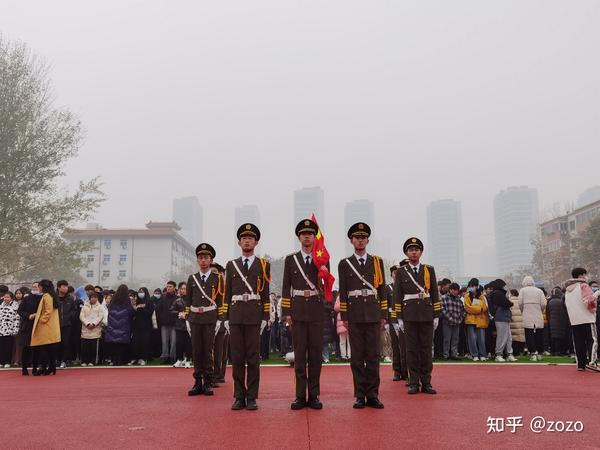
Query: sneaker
x=62 y=365
x=188 y=365
x=7 y=366
x=131 y=363
x=475 y=358
x=511 y=358
x=83 y=364
x=141 y=362
x=546 y=353
x=533 y=358
x=539 y=357
x=325 y=360
x=90 y=365
x=483 y=358
x=500 y=359
x=178 y=364
x=387 y=359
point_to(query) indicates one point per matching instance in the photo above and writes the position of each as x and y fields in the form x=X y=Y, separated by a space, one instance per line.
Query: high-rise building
x=516 y=215
x=588 y=196
x=445 y=238
x=187 y=212
x=244 y=214
x=358 y=211
x=308 y=201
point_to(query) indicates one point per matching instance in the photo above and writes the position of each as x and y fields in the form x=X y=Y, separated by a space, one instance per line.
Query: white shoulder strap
x=310 y=285
x=202 y=290
x=243 y=277
x=413 y=280
x=359 y=275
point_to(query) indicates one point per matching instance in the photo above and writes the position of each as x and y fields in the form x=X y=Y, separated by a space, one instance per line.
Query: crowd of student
x=91 y=326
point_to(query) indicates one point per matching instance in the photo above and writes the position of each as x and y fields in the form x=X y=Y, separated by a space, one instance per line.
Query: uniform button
x=365 y=300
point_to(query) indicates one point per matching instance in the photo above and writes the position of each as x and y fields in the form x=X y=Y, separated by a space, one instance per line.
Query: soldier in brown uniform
x=415 y=291
x=203 y=302
x=219 y=355
x=396 y=334
x=247 y=296
x=302 y=309
x=363 y=308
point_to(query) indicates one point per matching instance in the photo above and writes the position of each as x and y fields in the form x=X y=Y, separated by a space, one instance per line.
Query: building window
x=89 y=274
x=123 y=244
x=122 y=274
x=122 y=259
x=105 y=259
x=90 y=258
x=107 y=244
x=105 y=274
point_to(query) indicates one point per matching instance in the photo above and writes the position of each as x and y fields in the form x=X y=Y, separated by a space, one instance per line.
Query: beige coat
x=517 y=330
x=532 y=304
x=46 y=326
x=92 y=314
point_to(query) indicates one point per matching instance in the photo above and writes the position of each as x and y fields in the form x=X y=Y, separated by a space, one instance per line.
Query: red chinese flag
x=320 y=257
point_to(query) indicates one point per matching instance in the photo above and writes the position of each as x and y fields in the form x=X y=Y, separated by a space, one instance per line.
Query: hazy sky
x=241 y=102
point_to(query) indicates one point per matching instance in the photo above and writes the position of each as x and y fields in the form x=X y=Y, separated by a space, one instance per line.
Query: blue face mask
x=472 y=290
x=595 y=289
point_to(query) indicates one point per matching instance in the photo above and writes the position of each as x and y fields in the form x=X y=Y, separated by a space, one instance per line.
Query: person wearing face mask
x=532 y=303
x=596 y=288
x=581 y=303
x=27 y=309
x=477 y=320
x=141 y=327
x=9 y=327
x=155 y=338
x=93 y=318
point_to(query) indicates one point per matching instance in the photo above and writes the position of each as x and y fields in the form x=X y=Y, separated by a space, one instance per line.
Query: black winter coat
x=558 y=318
x=164 y=315
x=329 y=331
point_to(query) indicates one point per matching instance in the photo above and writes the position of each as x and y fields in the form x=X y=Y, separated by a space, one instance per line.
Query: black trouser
x=265 y=343
x=26 y=357
x=559 y=346
x=308 y=348
x=419 y=336
x=244 y=342
x=47 y=356
x=140 y=344
x=6 y=348
x=364 y=359
x=183 y=345
x=438 y=342
x=220 y=354
x=534 y=337
x=89 y=351
x=398 y=352
x=118 y=352
x=75 y=343
x=586 y=345
x=203 y=337
x=518 y=348
x=64 y=352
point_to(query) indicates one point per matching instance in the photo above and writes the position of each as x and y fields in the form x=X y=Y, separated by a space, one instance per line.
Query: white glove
x=189 y=328
x=217 y=327
x=436 y=321
x=386 y=327
x=263 y=325
x=396 y=328
x=401 y=324
x=597 y=294
x=226 y=324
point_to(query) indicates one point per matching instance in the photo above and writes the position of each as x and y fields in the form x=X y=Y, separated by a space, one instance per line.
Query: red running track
x=149 y=408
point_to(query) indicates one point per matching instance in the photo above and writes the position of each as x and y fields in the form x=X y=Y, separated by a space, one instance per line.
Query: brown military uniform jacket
x=213 y=287
x=416 y=310
x=299 y=307
x=251 y=312
x=365 y=308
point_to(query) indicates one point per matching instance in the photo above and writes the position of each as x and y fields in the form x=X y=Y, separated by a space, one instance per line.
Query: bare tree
x=36 y=141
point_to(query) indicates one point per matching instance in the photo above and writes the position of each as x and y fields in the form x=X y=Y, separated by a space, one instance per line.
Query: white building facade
x=149 y=256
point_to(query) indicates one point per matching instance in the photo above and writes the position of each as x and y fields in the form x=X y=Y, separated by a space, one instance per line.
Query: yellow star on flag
x=319 y=253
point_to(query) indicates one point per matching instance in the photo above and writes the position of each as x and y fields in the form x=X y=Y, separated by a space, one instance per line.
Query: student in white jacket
x=581 y=305
x=93 y=317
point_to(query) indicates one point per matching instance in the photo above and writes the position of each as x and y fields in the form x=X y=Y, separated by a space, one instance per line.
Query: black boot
x=24 y=371
x=238 y=404
x=299 y=403
x=196 y=390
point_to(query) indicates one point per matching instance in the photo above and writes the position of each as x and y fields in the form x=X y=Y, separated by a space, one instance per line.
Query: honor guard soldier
x=396 y=335
x=247 y=297
x=415 y=291
x=303 y=311
x=219 y=355
x=363 y=308
x=203 y=305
